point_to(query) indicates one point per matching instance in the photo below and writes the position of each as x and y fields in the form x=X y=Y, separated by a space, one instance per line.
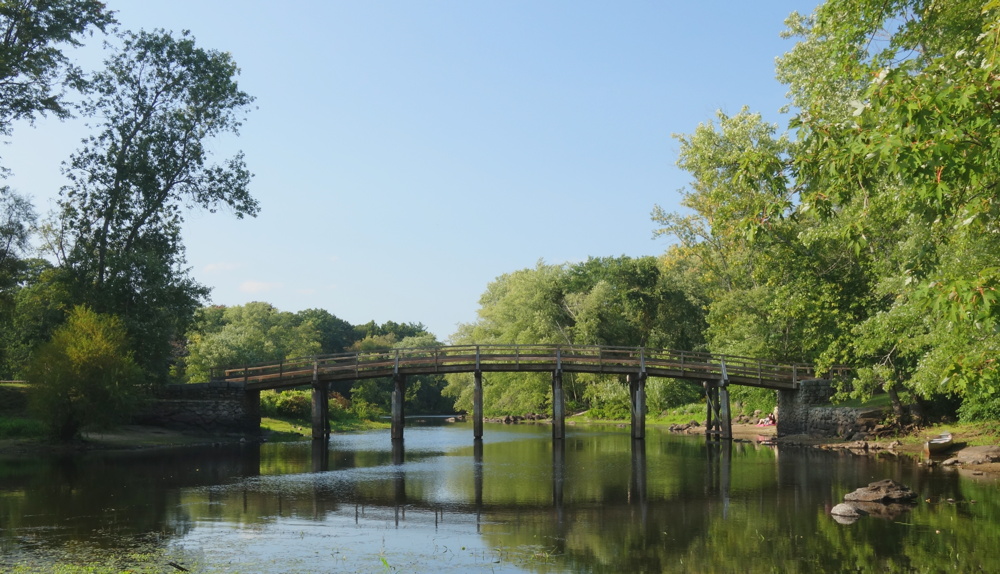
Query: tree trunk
x=897 y=405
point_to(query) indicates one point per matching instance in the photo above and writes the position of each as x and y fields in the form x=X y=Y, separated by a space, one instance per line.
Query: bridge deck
x=516 y=358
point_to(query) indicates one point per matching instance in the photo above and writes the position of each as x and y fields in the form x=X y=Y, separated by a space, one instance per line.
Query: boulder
x=978 y=454
x=884 y=491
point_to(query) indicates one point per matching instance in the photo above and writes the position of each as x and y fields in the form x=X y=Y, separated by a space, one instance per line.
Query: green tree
x=85 y=375
x=524 y=307
x=389 y=329
x=868 y=238
x=336 y=334
x=32 y=63
x=38 y=304
x=777 y=286
x=245 y=335
x=16 y=219
x=615 y=301
x=158 y=101
x=423 y=392
x=913 y=150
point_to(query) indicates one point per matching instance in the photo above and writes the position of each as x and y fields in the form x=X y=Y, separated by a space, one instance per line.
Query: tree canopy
x=867 y=235
x=33 y=66
x=156 y=104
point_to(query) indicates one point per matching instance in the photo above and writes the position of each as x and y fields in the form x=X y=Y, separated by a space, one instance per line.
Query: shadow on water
x=596 y=501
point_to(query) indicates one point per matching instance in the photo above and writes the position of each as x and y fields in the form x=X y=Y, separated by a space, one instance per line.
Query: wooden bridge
x=714 y=372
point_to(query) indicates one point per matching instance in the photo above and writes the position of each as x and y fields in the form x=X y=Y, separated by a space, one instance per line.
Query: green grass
x=13 y=398
x=967 y=434
x=21 y=427
x=293 y=429
x=680 y=415
x=14 y=419
x=876 y=401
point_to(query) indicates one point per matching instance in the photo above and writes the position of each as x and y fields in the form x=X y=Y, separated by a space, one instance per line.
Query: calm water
x=514 y=503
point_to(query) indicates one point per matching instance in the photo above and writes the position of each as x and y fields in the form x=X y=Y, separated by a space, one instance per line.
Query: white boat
x=940 y=443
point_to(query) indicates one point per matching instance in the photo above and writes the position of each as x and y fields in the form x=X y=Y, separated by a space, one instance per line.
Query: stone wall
x=204 y=407
x=808 y=411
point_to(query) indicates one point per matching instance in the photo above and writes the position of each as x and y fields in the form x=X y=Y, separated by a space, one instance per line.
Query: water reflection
x=595 y=501
x=637 y=485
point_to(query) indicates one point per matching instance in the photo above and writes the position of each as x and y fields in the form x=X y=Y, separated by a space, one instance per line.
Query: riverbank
x=976 y=452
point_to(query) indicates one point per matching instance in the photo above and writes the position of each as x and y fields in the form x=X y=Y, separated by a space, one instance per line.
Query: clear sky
x=407 y=153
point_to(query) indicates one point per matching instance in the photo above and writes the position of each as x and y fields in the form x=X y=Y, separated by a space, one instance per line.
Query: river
x=516 y=502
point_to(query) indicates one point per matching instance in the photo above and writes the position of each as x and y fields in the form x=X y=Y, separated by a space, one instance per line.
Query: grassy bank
x=15 y=423
x=288 y=428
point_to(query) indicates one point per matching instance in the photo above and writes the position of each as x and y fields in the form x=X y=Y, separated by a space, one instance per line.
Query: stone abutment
x=204 y=407
x=808 y=411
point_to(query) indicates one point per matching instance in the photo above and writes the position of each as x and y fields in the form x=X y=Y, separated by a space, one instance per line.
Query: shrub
x=979 y=404
x=84 y=375
x=365 y=410
x=608 y=400
x=752 y=399
x=663 y=394
x=286 y=404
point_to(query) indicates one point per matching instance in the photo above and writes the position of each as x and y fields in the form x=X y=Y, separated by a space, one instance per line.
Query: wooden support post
x=558 y=407
x=637 y=395
x=320 y=407
x=711 y=398
x=725 y=417
x=719 y=424
x=477 y=406
x=398 y=395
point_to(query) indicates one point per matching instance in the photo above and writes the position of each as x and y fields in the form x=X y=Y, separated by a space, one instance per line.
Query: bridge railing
x=520 y=357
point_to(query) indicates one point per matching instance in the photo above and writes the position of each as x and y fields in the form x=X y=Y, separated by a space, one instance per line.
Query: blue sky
x=408 y=153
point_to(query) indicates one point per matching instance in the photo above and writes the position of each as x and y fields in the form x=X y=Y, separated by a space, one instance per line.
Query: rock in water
x=884 y=491
x=846 y=513
x=848 y=510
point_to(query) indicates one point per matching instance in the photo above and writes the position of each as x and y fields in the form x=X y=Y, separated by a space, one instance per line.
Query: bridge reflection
x=718 y=457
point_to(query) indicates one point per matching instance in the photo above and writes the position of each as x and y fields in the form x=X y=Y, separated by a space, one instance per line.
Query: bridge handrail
x=377 y=363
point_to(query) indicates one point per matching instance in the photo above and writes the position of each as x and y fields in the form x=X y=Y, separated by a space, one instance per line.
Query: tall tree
x=916 y=152
x=37 y=306
x=156 y=104
x=871 y=236
x=33 y=34
x=617 y=301
x=16 y=219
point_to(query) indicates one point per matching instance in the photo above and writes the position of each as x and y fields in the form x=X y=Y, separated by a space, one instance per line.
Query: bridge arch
x=715 y=372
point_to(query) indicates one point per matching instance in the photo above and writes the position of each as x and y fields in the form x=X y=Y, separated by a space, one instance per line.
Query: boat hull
x=938 y=444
